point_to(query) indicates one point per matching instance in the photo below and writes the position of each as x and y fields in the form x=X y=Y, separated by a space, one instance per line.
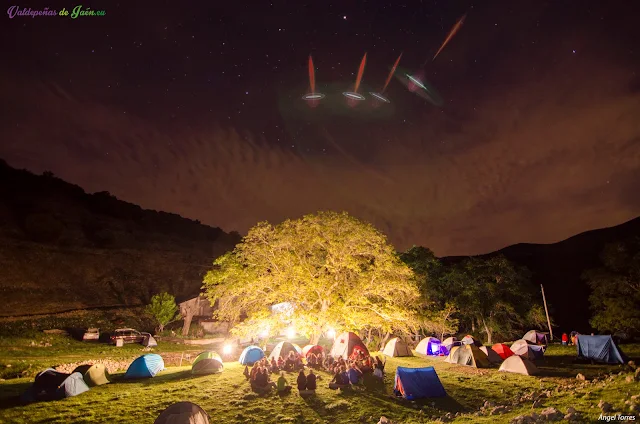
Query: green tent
x=207 y=363
x=93 y=375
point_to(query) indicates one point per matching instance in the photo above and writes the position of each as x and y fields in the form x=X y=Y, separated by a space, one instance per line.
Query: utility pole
x=546 y=311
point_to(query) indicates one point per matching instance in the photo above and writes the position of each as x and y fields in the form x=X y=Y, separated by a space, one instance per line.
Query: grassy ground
x=228 y=398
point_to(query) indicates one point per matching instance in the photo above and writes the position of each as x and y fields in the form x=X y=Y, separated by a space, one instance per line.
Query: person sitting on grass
x=378 y=372
x=354 y=374
x=311 y=381
x=282 y=385
x=328 y=363
x=274 y=365
x=340 y=380
x=379 y=363
x=280 y=363
x=290 y=362
x=254 y=370
x=246 y=372
x=302 y=381
x=312 y=359
x=262 y=383
x=297 y=362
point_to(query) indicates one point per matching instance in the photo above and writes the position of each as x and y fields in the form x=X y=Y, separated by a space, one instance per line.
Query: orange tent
x=503 y=350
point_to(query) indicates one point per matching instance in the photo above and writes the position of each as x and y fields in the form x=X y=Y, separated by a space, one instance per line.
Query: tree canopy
x=491 y=295
x=335 y=271
x=162 y=309
x=615 y=297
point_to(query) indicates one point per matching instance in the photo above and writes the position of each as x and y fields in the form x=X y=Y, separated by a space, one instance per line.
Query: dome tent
x=250 y=355
x=416 y=383
x=183 y=413
x=207 y=363
x=396 y=347
x=494 y=358
x=502 y=349
x=535 y=337
x=469 y=355
x=145 y=366
x=431 y=346
x=450 y=342
x=452 y=357
x=282 y=349
x=94 y=375
x=519 y=365
x=316 y=349
x=527 y=350
x=469 y=339
x=345 y=344
x=53 y=385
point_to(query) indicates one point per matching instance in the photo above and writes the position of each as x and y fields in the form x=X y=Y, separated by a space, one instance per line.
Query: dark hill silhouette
x=559 y=266
x=62 y=248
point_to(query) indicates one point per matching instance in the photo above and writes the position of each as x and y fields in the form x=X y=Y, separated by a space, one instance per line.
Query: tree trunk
x=473 y=325
x=314 y=339
x=187 y=323
x=160 y=328
x=487 y=330
x=384 y=340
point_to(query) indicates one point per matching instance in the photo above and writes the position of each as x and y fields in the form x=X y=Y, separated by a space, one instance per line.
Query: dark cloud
x=536 y=163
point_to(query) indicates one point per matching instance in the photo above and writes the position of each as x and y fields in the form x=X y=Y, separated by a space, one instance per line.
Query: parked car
x=128 y=335
x=91 y=334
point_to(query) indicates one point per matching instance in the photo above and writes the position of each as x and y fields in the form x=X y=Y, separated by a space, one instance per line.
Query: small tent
x=396 y=347
x=469 y=355
x=183 y=413
x=52 y=385
x=503 y=350
x=207 y=363
x=450 y=342
x=416 y=383
x=345 y=345
x=452 y=357
x=94 y=375
x=527 y=350
x=493 y=357
x=282 y=349
x=250 y=355
x=535 y=337
x=519 y=365
x=315 y=349
x=469 y=339
x=145 y=366
x=600 y=349
x=431 y=346
x=149 y=341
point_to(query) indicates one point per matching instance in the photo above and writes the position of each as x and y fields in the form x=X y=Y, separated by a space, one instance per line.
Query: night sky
x=195 y=108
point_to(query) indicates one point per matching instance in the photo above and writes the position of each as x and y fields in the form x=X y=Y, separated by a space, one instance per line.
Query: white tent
x=396 y=347
x=519 y=365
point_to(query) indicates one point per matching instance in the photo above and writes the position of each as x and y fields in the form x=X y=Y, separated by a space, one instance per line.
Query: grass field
x=228 y=398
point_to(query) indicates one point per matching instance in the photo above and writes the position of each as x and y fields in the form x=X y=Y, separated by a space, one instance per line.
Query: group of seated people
x=345 y=372
x=350 y=372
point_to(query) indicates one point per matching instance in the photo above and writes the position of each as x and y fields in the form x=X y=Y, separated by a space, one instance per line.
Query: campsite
x=472 y=394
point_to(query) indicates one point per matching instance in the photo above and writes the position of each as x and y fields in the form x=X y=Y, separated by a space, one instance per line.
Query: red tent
x=503 y=350
x=315 y=349
x=345 y=344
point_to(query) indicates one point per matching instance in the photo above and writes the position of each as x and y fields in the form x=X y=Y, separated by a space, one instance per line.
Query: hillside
x=63 y=249
x=558 y=267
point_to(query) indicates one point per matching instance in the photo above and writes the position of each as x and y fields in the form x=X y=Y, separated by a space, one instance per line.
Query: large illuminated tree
x=336 y=271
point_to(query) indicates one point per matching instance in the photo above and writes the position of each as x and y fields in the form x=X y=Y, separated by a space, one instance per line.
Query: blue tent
x=600 y=349
x=416 y=383
x=537 y=351
x=145 y=366
x=250 y=355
